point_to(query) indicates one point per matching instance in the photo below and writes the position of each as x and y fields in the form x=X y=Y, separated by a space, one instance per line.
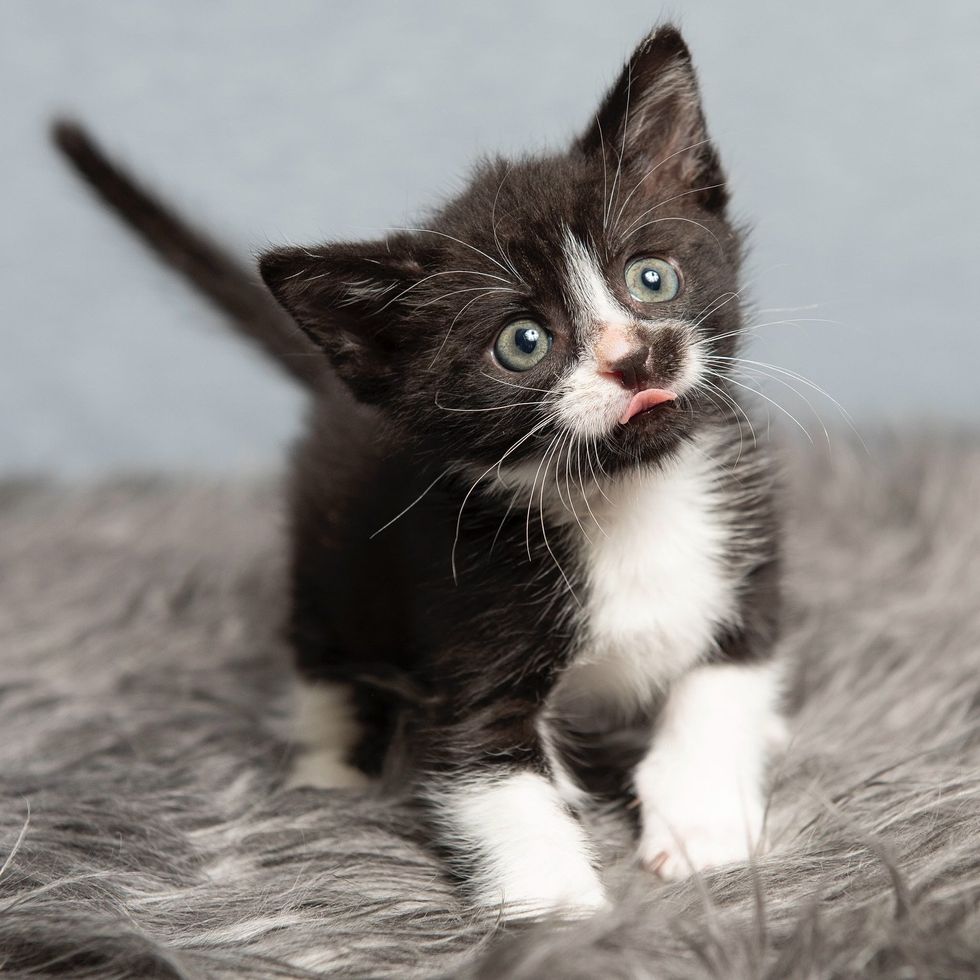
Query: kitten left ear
x=652 y=117
x=351 y=300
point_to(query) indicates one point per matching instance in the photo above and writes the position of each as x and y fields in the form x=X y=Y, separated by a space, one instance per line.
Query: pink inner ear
x=648 y=398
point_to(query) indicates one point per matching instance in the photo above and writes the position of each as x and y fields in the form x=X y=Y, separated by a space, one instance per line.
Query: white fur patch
x=326 y=730
x=532 y=856
x=658 y=589
x=588 y=402
x=701 y=785
x=592 y=301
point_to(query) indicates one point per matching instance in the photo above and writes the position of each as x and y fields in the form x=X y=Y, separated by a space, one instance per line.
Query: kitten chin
x=529 y=482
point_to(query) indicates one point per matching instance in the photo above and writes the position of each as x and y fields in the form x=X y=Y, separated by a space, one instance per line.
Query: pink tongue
x=642 y=400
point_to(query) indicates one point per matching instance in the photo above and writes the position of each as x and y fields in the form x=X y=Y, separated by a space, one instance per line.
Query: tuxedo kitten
x=528 y=498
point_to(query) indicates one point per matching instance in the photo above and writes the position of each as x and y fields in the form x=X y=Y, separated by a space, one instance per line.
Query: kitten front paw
x=568 y=896
x=676 y=847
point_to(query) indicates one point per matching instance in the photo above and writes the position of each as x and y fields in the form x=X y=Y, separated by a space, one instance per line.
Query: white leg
x=326 y=731
x=701 y=784
x=532 y=856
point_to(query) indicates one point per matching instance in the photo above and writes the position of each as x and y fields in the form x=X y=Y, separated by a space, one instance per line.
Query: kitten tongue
x=648 y=398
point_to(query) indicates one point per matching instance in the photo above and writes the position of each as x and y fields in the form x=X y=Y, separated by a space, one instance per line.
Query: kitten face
x=576 y=299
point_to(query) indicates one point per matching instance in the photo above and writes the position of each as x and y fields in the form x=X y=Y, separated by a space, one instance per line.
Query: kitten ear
x=347 y=298
x=652 y=117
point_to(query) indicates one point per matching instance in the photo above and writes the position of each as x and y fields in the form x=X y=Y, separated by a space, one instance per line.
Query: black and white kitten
x=525 y=501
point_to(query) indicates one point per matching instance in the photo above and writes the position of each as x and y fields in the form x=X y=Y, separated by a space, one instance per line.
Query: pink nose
x=623 y=357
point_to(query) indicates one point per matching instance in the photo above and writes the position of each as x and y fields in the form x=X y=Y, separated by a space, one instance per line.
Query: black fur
x=466 y=609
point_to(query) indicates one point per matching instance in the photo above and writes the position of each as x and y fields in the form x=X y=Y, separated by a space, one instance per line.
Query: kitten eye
x=521 y=345
x=652 y=280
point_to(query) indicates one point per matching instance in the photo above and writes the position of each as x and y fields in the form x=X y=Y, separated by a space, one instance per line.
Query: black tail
x=227 y=282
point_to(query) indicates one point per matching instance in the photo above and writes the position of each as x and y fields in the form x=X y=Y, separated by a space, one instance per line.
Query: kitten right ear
x=652 y=119
x=347 y=298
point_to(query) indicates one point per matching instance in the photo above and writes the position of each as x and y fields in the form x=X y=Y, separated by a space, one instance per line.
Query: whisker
x=467 y=289
x=459 y=313
x=493 y=225
x=764 y=365
x=494 y=408
x=510 y=384
x=530 y=502
x=651 y=171
x=402 y=513
x=435 y=275
x=729 y=400
x=602 y=153
x=581 y=483
x=752 y=327
x=676 y=197
x=568 y=483
x=459 y=241
x=503 y=520
x=544 y=535
x=459 y=517
x=775 y=404
x=759 y=373
x=622 y=149
x=689 y=221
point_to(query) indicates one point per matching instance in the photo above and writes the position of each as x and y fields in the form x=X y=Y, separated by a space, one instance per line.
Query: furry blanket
x=144 y=740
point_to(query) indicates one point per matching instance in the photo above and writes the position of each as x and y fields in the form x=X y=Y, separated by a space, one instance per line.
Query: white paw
x=573 y=895
x=679 y=839
x=532 y=857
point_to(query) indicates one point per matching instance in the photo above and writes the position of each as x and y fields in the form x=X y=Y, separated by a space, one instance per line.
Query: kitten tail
x=228 y=283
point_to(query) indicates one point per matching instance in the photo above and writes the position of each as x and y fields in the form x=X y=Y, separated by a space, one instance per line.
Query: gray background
x=850 y=130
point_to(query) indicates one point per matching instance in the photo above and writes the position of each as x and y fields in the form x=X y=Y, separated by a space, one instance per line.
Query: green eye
x=652 y=280
x=521 y=345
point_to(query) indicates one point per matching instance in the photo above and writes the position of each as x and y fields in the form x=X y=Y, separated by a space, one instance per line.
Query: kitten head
x=582 y=299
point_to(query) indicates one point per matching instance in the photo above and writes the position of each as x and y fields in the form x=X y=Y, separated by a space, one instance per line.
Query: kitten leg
x=327 y=732
x=524 y=852
x=497 y=809
x=701 y=785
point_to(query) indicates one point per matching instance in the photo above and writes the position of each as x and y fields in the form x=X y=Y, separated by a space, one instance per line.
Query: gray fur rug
x=143 y=745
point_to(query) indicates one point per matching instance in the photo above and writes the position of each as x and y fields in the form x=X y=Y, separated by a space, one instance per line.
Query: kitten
x=525 y=501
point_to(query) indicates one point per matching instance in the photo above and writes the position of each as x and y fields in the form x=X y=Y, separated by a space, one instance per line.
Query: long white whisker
x=581 y=483
x=494 y=408
x=547 y=544
x=752 y=327
x=690 y=221
x=459 y=313
x=651 y=171
x=602 y=153
x=729 y=400
x=493 y=226
x=466 y=289
x=435 y=275
x=622 y=149
x=402 y=513
x=530 y=501
x=775 y=404
x=510 y=384
x=459 y=517
x=459 y=241
x=765 y=374
x=676 y=197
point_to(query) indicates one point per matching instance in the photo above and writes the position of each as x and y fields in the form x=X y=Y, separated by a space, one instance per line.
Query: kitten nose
x=622 y=356
x=631 y=368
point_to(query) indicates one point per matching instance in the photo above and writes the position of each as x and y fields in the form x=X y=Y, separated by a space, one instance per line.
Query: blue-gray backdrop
x=850 y=130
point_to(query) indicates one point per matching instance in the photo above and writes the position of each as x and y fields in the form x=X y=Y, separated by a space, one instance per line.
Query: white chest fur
x=657 y=587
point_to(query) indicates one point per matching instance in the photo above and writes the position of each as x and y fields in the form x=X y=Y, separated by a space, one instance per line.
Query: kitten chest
x=657 y=584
